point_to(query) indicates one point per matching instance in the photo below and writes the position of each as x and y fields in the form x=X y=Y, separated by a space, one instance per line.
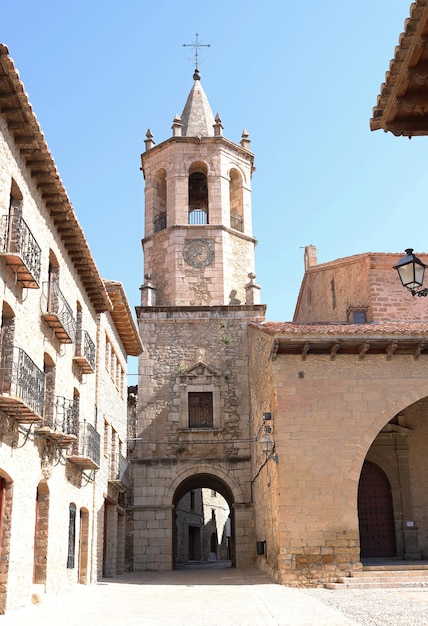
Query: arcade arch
x=392 y=497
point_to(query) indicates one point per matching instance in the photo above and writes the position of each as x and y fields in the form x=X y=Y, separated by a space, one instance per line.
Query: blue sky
x=301 y=77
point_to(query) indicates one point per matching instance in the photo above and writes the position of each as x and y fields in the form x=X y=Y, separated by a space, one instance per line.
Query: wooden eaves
x=402 y=105
x=122 y=318
x=29 y=140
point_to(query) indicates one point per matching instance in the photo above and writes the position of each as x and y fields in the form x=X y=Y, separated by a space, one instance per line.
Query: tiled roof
x=122 y=318
x=24 y=128
x=387 y=338
x=342 y=330
x=402 y=103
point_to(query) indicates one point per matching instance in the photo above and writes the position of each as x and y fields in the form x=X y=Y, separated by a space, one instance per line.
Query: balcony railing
x=21 y=250
x=119 y=472
x=61 y=419
x=86 y=452
x=22 y=386
x=236 y=221
x=84 y=353
x=58 y=313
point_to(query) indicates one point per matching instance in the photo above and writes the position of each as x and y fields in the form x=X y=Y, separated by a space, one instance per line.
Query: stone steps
x=384 y=577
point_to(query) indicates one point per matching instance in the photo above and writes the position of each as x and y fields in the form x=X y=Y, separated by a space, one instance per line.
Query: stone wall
x=188 y=348
x=331 y=291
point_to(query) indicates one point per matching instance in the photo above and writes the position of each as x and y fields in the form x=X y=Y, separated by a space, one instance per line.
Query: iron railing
x=119 y=470
x=55 y=304
x=198 y=216
x=236 y=221
x=22 y=379
x=17 y=238
x=89 y=442
x=62 y=414
x=85 y=347
x=159 y=223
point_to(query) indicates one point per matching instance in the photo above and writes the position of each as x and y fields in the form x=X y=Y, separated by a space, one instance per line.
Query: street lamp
x=411 y=272
x=267 y=444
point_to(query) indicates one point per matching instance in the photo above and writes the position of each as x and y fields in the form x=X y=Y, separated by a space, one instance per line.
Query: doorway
x=375 y=513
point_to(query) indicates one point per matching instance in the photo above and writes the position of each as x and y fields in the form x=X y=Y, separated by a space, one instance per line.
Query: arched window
x=71 y=536
x=159 y=200
x=236 y=201
x=198 y=198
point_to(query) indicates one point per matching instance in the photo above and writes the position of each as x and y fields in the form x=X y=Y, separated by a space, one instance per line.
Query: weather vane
x=196 y=45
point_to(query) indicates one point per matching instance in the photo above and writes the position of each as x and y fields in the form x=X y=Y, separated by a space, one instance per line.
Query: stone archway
x=196 y=482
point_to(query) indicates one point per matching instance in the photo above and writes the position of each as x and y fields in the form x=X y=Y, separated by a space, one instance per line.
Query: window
x=71 y=536
x=200 y=409
x=192 y=500
x=236 y=201
x=357 y=314
x=198 y=198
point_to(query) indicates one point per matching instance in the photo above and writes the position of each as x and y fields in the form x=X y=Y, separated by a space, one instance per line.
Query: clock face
x=198 y=253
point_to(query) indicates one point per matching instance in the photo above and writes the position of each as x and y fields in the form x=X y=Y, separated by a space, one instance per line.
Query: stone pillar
x=245 y=538
x=252 y=290
x=148 y=292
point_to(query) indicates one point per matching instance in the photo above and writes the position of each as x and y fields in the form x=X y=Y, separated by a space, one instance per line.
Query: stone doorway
x=203 y=522
x=375 y=513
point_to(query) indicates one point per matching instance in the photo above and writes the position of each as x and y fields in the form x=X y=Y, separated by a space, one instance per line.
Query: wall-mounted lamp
x=411 y=271
x=267 y=444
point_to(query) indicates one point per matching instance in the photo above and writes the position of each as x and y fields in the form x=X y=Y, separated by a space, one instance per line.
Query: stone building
x=198 y=297
x=345 y=384
x=65 y=337
x=314 y=430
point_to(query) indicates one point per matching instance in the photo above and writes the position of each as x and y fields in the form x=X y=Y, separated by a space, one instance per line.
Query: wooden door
x=375 y=513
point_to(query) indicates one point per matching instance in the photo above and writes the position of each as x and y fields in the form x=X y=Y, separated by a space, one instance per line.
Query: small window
x=192 y=500
x=200 y=409
x=357 y=314
x=71 y=536
x=359 y=317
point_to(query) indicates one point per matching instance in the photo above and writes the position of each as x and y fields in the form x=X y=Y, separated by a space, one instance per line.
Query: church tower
x=192 y=429
x=198 y=244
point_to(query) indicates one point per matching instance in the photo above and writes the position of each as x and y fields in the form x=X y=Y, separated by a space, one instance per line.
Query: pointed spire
x=149 y=140
x=218 y=126
x=197 y=117
x=177 y=126
x=245 y=139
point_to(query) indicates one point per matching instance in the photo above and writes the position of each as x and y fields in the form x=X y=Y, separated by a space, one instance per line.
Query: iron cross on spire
x=196 y=45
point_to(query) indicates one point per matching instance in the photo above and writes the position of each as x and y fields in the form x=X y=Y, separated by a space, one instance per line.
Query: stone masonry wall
x=175 y=340
x=328 y=414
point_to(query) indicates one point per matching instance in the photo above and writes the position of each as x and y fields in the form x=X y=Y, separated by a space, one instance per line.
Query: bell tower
x=198 y=244
x=199 y=295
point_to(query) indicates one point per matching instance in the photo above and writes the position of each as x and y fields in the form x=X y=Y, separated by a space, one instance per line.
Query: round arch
x=199 y=481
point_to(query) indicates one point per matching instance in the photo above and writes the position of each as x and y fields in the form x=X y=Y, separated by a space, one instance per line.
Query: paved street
x=214 y=597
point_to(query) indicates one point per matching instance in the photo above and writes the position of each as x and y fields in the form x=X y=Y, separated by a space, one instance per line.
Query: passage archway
x=203 y=522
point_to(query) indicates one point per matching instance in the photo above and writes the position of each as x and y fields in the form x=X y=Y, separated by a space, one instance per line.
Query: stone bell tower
x=199 y=293
x=198 y=244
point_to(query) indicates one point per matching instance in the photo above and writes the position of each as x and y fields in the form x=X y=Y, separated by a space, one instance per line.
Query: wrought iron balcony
x=20 y=250
x=85 y=453
x=57 y=313
x=84 y=352
x=61 y=420
x=22 y=386
x=119 y=473
x=236 y=221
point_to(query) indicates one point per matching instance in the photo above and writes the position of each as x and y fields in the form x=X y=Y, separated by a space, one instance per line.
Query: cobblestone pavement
x=211 y=597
